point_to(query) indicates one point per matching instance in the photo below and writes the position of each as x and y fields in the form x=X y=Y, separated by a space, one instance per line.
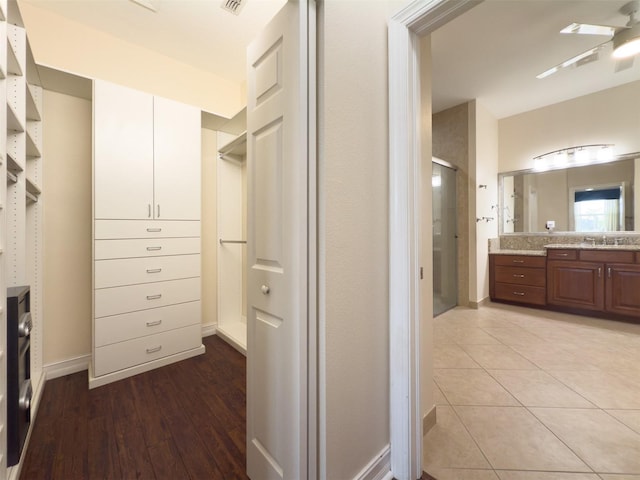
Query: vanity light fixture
x=579 y=155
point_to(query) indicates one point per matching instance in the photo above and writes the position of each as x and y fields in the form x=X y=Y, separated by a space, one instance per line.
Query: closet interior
x=232 y=233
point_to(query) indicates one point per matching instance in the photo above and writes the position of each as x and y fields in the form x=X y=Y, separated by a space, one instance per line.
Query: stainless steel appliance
x=19 y=389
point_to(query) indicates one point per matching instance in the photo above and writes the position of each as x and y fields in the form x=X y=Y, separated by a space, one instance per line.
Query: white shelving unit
x=20 y=200
x=232 y=252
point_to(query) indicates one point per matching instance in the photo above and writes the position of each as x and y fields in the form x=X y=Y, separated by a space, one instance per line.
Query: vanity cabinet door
x=623 y=289
x=575 y=284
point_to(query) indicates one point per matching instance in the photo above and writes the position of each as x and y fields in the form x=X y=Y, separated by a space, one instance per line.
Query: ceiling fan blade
x=624 y=64
x=583 y=58
x=588 y=29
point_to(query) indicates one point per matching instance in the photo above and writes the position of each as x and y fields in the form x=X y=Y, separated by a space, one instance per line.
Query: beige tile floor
x=526 y=394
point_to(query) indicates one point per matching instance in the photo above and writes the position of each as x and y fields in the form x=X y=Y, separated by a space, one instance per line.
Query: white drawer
x=112 y=229
x=116 y=300
x=145 y=349
x=153 y=247
x=130 y=271
x=117 y=328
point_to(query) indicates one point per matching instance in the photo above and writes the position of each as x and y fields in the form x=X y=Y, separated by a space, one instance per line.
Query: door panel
x=575 y=284
x=176 y=173
x=277 y=248
x=623 y=289
x=123 y=152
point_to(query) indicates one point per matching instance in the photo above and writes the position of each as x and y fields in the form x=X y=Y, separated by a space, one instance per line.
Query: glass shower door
x=445 y=267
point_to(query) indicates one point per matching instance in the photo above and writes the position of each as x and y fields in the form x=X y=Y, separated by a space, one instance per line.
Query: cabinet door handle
x=562 y=254
x=154 y=230
x=518 y=261
x=154 y=324
x=599 y=272
x=519 y=293
x=148 y=210
x=609 y=272
x=158 y=211
x=154 y=349
x=154 y=270
x=153 y=249
x=515 y=275
x=154 y=297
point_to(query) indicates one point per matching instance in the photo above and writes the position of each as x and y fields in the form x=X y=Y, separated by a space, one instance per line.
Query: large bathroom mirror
x=591 y=198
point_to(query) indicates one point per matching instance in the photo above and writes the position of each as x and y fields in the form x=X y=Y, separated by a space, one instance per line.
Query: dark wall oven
x=19 y=389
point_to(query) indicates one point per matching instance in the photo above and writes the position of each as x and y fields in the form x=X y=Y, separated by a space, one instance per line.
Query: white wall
x=73 y=47
x=353 y=234
x=483 y=159
x=67 y=289
x=609 y=116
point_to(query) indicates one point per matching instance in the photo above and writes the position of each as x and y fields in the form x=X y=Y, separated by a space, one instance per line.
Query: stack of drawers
x=518 y=278
x=146 y=292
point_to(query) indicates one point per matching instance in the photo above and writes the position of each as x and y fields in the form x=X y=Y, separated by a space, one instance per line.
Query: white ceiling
x=491 y=53
x=494 y=52
x=196 y=32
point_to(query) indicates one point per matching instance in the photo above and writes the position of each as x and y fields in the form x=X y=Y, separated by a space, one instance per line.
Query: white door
x=177 y=160
x=123 y=152
x=277 y=249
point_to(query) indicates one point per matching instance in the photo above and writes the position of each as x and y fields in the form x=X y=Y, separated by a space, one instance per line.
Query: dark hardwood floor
x=182 y=421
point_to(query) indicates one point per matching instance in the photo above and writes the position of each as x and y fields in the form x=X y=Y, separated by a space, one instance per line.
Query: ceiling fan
x=625 y=41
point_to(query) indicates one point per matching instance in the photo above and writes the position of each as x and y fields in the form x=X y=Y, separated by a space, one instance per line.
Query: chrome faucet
x=618 y=241
x=592 y=240
x=604 y=239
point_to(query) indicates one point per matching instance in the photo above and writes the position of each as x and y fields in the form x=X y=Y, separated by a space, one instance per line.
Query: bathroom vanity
x=581 y=278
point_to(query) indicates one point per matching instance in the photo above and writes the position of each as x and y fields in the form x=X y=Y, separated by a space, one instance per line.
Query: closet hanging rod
x=232 y=241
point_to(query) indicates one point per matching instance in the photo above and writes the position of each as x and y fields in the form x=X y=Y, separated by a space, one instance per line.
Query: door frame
x=418 y=19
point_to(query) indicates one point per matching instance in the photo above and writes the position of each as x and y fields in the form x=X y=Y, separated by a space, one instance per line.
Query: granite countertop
x=533 y=253
x=589 y=246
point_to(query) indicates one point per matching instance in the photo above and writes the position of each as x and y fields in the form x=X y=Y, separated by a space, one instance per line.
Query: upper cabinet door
x=177 y=160
x=123 y=152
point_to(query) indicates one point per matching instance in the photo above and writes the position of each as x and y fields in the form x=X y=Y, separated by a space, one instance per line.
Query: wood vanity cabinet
x=517 y=278
x=596 y=280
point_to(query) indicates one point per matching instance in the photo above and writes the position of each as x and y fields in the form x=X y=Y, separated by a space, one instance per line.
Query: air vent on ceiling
x=233 y=6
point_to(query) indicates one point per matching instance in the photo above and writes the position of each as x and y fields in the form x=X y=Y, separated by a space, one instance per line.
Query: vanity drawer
x=520 y=293
x=520 y=260
x=535 y=277
x=608 y=256
x=131 y=248
x=113 y=229
x=137 y=351
x=118 y=328
x=562 y=254
x=130 y=271
x=131 y=298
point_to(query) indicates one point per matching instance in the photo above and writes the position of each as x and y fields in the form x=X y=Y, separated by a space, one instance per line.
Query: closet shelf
x=32 y=149
x=13 y=66
x=13 y=122
x=32 y=188
x=13 y=166
x=32 y=107
x=236 y=149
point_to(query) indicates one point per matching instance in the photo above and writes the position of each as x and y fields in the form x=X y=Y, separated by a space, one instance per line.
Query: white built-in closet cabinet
x=146 y=232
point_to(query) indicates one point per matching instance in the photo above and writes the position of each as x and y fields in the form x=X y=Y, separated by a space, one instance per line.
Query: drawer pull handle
x=154 y=270
x=519 y=293
x=599 y=272
x=562 y=254
x=154 y=297
x=154 y=230
x=153 y=249
x=154 y=349
x=518 y=276
x=518 y=261
x=154 y=323
x=609 y=272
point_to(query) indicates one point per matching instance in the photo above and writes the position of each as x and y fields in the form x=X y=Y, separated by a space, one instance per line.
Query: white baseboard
x=479 y=304
x=67 y=367
x=209 y=329
x=379 y=468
